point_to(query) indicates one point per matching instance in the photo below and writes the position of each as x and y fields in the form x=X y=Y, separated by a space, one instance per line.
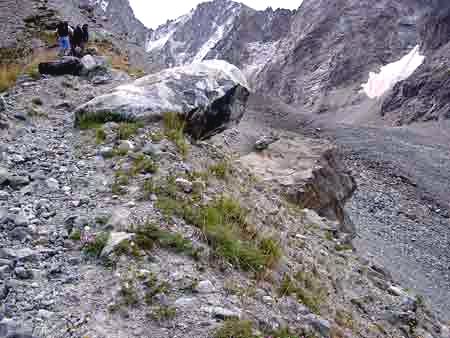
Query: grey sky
x=153 y=13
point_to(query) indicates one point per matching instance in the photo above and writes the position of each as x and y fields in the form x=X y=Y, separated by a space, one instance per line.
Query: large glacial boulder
x=210 y=95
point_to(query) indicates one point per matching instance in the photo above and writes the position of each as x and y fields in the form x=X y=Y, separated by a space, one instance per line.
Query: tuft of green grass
x=136 y=72
x=343 y=247
x=174 y=131
x=271 y=250
x=121 y=179
x=128 y=129
x=308 y=291
x=96 y=245
x=287 y=286
x=93 y=121
x=100 y=135
x=223 y=223
x=156 y=137
x=144 y=164
x=127 y=248
x=154 y=288
x=344 y=319
x=221 y=169
x=149 y=235
x=148 y=188
x=235 y=329
x=75 y=235
x=129 y=294
x=49 y=37
x=164 y=313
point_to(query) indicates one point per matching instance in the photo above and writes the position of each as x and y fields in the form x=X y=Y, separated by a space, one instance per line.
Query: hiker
x=85 y=30
x=77 y=39
x=85 y=38
x=63 y=33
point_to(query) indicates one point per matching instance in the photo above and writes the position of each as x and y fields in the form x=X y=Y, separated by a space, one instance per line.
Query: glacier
x=392 y=73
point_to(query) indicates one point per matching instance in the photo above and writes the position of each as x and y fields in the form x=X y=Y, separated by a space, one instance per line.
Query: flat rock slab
x=308 y=172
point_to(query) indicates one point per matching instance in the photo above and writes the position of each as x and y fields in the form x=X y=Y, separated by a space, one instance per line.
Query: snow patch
x=390 y=74
x=103 y=4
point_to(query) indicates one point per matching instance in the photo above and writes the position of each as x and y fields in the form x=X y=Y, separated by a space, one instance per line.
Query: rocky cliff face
x=317 y=56
x=219 y=30
x=426 y=94
x=117 y=16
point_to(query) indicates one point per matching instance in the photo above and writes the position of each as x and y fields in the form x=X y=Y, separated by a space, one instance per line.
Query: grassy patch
x=95 y=245
x=8 y=75
x=128 y=129
x=223 y=223
x=235 y=329
x=157 y=136
x=174 y=131
x=129 y=294
x=93 y=121
x=148 y=188
x=149 y=235
x=308 y=291
x=121 y=179
x=221 y=170
x=343 y=247
x=75 y=235
x=136 y=72
x=164 y=313
x=100 y=135
x=154 y=288
x=49 y=37
x=144 y=164
x=344 y=319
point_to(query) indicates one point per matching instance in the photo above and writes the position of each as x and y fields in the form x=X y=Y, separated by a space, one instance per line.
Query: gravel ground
x=401 y=207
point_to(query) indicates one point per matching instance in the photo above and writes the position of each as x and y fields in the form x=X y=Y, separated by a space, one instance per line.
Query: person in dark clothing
x=85 y=36
x=77 y=39
x=63 y=33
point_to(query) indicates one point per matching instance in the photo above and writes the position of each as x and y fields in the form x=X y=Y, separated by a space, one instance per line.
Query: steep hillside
x=27 y=25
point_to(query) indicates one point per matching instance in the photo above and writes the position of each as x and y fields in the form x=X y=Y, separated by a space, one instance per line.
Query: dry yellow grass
x=8 y=75
x=10 y=71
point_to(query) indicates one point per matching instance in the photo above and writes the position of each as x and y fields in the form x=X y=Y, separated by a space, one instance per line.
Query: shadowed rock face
x=210 y=95
x=426 y=94
x=309 y=173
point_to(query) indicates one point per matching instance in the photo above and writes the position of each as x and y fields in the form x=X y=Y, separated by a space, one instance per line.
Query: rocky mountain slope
x=27 y=25
x=219 y=30
x=179 y=205
x=124 y=228
x=317 y=56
